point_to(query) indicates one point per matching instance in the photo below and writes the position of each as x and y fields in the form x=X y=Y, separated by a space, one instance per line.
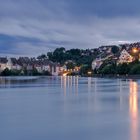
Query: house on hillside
x=97 y=63
x=55 y=69
x=42 y=65
x=46 y=65
x=125 y=57
x=13 y=64
x=26 y=63
x=3 y=63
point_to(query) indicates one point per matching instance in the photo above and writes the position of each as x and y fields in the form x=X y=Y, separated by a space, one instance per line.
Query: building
x=97 y=63
x=46 y=65
x=125 y=57
x=13 y=64
x=3 y=63
x=55 y=69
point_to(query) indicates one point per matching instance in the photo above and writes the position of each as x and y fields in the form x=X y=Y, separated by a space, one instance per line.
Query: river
x=69 y=108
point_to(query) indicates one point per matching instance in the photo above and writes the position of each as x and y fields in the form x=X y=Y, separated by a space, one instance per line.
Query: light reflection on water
x=69 y=108
x=133 y=104
x=70 y=84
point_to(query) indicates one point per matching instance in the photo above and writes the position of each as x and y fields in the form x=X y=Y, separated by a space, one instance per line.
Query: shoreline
x=118 y=76
x=93 y=76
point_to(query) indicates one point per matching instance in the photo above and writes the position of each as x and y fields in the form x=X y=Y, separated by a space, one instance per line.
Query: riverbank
x=117 y=76
x=94 y=76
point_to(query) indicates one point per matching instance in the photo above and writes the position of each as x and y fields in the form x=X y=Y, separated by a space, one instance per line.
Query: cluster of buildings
x=127 y=53
x=29 y=64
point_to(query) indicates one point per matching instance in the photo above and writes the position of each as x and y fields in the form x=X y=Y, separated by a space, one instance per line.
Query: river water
x=69 y=108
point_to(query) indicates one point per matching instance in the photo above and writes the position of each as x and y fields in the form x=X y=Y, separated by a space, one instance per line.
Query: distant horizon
x=36 y=55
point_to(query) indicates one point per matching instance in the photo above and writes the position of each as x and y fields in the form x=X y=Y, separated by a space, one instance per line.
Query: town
x=114 y=59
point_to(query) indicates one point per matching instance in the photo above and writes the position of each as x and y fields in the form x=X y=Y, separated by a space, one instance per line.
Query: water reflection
x=89 y=84
x=9 y=82
x=94 y=113
x=133 y=105
x=69 y=84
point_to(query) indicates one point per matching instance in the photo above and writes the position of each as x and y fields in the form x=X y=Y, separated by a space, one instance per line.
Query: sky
x=33 y=27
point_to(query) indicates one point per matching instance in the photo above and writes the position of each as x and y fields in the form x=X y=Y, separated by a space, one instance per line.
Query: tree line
x=121 y=69
x=78 y=56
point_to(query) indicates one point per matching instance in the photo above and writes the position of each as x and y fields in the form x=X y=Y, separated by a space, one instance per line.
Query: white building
x=39 y=68
x=97 y=63
x=3 y=63
x=12 y=64
x=55 y=70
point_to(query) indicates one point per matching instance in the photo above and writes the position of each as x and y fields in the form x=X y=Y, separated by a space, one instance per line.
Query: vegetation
x=70 y=65
x=115 y=49
x=8 y=72
x=83 y=59
x=109 y=69
x=135 y=69
x=84 y=70
x=33 y=72
x=78 y=56
x=43 y=56
x=121 y=69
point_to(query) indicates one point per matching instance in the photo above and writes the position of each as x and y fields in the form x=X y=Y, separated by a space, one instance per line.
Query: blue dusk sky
x=32 y=27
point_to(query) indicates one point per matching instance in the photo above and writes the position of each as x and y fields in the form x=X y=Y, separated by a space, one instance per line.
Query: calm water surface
x=69 y=108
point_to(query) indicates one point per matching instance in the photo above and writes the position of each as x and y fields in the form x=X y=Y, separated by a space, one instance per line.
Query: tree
x=35 y=72
x=43 y=56
x=75 y=52
x=114 y=49
x=59 y=55
x=84 y=70
x=109 y=69
x=46 y=73
x=70 y=65
x=6 y=72
x=135 y=69
x=50 y=56
x=123 y=47
x=123 y=69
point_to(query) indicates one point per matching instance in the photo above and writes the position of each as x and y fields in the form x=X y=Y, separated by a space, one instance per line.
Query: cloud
x=34 y=27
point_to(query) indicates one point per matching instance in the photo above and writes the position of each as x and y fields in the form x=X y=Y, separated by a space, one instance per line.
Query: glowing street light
x=135 y=50
x=64 y=74
x=89 y=72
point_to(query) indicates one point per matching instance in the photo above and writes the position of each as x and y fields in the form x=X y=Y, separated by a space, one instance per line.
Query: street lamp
x=136 y=53
x=135 y=50
x=89 y=72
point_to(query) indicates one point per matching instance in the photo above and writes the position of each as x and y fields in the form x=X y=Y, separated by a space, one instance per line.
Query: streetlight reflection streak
x=133 y=105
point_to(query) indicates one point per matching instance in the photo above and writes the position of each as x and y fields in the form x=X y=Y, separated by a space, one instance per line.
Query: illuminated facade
x=125 y=57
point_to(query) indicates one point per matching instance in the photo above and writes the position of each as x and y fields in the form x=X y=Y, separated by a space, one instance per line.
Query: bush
x=109 y=69
x=84 y=70
x=34 y=72
x=123 y=69
x=135 y=69
x=6 y=72
x=46 y=73
x=114 y=49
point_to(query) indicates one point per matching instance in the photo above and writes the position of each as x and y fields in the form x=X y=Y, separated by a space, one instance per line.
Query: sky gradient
x=33 y=27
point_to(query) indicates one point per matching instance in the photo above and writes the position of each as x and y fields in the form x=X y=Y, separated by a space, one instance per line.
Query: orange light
x=133 y=104
x=135 y=50
x=65 y=74
x=89 y=72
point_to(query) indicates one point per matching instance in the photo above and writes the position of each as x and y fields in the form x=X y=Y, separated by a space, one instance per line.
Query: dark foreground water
x=69 y=108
